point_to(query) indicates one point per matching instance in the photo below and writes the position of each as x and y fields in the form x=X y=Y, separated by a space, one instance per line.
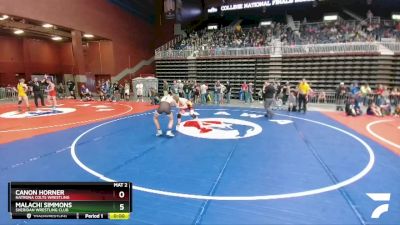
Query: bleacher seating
x=323 y=65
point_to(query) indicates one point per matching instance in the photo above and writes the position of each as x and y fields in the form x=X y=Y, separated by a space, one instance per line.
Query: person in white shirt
x=203 y=93
x=139 y=92
x=127 y=91
x=166 y=103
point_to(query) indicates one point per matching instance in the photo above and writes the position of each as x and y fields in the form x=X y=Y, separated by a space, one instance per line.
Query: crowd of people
x=308 y=33
x=379 y=102
x=352 y=99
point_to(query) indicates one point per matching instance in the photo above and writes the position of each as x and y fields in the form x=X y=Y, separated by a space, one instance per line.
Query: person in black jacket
x=37 y=92
x=228 y=92
x=71 y=88
x=268 y=95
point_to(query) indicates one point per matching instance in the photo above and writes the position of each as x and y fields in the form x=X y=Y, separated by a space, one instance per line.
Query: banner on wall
x=169 y=9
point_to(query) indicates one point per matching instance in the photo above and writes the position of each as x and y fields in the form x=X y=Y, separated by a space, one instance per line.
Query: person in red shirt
x=379 y=94
x=51 y=92
x=245 y=91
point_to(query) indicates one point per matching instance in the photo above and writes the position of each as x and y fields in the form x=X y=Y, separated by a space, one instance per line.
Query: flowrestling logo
x=219 y=128
x=38 y=113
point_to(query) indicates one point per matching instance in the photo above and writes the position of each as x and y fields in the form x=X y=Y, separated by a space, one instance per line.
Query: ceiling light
x=88 y=35
x=331 y=17
x=18 y=31
x=47 y=25
x=265 y=23
x=56 y=38
x=396 y=16
x=4 y=17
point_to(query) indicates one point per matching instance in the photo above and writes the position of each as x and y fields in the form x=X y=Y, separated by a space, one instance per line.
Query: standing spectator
x=217 y=92
x=365 y=91
x=269 y=95
x=165 y=88
x=127 y=91
x=60 y=90
x=341 y=92
x=175 y=87
x=304 y=90
x=244 y=89
x=292 y=102
x=187 y=90
x=121 y=91
x=155 y=100
x=115 y=92
x=139 y=92
x=180 y=88
x=196 y=92
x=203 y=92
x=250 y=92
x=355 y=92
x=71 y=88
x=286 y=92
x=228 y=92
x=379 y=94
x=37 y=91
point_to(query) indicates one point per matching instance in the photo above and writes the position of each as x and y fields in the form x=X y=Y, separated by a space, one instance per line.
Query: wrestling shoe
x=170 y=134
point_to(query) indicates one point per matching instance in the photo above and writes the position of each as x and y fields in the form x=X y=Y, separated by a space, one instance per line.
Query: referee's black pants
x=302 y=101
x=36 y=95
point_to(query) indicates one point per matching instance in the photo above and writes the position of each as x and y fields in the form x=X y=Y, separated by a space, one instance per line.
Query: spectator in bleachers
x=304 y=90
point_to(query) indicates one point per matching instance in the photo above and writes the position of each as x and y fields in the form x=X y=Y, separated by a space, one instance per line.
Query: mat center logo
x=219 y=128
x=38 y=113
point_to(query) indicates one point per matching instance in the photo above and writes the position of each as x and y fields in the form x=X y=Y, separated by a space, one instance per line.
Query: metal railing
x=337 y=48
x=8 y=94
x=170 y=44
x=393 y=46
x=353 y=47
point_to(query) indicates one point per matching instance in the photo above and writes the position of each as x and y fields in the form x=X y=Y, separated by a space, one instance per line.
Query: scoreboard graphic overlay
x=87 y=200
